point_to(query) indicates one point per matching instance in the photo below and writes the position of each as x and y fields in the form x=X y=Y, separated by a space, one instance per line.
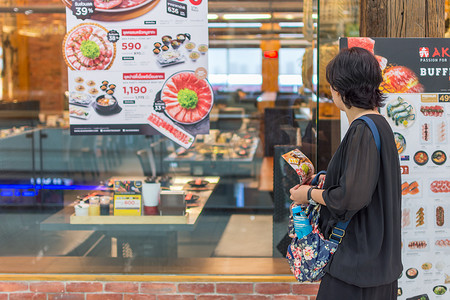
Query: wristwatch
x=309 y=197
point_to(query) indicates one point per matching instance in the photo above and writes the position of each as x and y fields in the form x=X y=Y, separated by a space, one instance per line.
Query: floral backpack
x=309 y=255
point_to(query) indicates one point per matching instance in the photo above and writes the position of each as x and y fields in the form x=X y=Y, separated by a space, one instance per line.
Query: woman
x=362 y=185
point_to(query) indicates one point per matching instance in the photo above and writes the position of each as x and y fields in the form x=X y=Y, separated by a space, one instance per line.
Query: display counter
x=135 y=231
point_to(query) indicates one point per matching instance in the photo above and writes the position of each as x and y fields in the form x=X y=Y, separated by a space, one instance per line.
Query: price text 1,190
x=127 y=90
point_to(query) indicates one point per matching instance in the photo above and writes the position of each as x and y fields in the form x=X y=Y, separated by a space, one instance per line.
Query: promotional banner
x=417 y=85
x=138 y=67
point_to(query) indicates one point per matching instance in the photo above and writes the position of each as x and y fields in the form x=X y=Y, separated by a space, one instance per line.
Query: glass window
x=290 y=78
x=225 y=196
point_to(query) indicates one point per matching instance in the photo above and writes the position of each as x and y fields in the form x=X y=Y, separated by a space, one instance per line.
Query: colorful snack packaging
x=300 y=163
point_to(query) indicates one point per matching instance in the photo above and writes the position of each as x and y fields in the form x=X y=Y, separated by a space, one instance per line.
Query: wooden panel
x=95 y=266
x=402 y=18
x=129 y=219
x=373 y=18
x=269 y=66
x=435 y=26
x=266 y=175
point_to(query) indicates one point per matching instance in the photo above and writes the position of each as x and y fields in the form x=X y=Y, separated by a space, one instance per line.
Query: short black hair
x=356 y=75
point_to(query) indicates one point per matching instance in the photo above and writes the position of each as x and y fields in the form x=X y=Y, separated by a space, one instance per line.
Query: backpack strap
x=373 y=128
x=338 y=231
x=315 y=180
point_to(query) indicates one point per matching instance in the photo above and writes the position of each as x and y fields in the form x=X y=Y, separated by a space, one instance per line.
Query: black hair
x=356 y=75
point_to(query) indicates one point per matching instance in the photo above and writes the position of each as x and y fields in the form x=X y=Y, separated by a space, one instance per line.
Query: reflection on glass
x=264 y=107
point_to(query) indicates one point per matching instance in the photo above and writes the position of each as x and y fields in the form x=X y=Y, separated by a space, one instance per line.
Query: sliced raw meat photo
x=131 y=3
x=188 y=99
x=366 y=43
x=107 y=4
x=87 y=48
x=119 y=6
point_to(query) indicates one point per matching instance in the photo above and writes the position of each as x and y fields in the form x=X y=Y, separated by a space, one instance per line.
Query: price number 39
x=83 y=11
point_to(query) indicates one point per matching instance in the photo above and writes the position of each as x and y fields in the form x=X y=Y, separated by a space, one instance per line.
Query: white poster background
x=136 y=97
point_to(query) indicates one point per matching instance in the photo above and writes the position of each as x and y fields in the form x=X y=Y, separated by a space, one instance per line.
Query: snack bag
x=300 y=163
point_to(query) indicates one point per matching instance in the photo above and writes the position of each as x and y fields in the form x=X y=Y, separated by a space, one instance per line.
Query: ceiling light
x=291 y=35
x=291 y=24
x=246 y=16
x=213 y=17
x=234 y=25
x=314 y=16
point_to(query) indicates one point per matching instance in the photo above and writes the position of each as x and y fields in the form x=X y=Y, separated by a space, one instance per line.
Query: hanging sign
x=138 y=67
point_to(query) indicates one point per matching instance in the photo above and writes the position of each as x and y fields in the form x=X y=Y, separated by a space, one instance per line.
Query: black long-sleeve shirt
x=364 y=185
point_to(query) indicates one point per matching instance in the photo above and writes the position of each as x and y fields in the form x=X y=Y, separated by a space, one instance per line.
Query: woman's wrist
x=309 y=195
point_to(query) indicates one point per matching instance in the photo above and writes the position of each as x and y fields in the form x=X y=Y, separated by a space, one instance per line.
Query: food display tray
x=130 y=220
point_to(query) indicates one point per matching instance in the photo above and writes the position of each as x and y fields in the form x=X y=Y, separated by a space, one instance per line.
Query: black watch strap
x=308 y=195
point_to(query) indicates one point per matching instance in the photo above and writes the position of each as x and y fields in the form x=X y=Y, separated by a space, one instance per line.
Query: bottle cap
x=297 y=209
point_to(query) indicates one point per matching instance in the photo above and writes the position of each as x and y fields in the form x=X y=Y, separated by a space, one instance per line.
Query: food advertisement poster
x=138 y=67
x=127 y=198
x=417 y=85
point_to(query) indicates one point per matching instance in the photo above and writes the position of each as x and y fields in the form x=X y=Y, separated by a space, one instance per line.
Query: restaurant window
x=232 y=69
x=290 y=78
x=226 y=195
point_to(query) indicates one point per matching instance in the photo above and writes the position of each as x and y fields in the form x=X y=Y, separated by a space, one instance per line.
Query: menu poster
x=417 y=86
x=138 y=67
x=127 y=198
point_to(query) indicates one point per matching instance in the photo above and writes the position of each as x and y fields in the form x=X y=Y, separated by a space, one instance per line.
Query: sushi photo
x=169 y=58
x=400 y=142
x=80 y=99
x=79 y=112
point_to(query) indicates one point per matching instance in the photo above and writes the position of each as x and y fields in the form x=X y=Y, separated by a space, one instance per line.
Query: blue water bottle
x=302 y=225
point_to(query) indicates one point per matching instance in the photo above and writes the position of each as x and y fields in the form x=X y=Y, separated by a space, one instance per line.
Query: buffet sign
x=416 y=82
x=138 y=67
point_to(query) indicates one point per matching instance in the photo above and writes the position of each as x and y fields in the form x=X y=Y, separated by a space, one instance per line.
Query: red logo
x=404 y=170
x=196 y=2
x=424 y=52
x=442 y=53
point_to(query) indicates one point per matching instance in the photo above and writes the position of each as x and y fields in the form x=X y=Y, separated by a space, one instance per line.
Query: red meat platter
x=187 y=81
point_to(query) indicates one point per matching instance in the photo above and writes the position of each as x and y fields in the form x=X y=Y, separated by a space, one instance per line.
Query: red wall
x=102 y=290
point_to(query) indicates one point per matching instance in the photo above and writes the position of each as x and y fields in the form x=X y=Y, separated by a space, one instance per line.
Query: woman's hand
x=299 y=194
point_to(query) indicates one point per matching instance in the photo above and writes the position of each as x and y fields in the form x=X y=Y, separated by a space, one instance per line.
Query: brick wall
x=102 y=290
